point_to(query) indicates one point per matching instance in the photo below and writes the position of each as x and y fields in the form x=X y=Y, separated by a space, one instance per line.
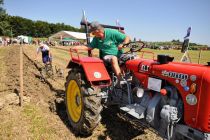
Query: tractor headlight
x=191 y=99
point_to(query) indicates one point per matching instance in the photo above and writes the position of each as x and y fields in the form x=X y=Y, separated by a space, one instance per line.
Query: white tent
x=68 y=34
x=24 y=39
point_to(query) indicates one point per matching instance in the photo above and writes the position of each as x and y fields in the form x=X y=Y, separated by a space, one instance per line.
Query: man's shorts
x=108 y=58
x=46 y=59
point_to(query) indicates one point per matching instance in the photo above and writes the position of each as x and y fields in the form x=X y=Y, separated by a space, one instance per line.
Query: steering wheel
x=134 y=46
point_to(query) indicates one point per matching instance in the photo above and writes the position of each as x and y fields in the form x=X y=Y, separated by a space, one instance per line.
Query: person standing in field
x=46 y=54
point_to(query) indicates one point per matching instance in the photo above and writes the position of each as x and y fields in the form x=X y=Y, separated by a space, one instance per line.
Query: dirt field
x=43 y=115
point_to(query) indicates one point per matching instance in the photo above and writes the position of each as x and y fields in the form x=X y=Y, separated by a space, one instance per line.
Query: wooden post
x=21 y=76
x=199 y=57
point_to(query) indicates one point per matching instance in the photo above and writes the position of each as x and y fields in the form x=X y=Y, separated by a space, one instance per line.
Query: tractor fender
x=95 y=70
x=71 y=64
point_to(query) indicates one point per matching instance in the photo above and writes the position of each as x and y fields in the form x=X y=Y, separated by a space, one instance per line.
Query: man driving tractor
x=110 y=43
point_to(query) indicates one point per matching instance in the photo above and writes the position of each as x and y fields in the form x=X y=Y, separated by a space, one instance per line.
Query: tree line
x=174 y=43
x=14 y=25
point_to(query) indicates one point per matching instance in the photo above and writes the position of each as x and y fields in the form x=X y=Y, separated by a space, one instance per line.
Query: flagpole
x=84 y=20
x=185 y=46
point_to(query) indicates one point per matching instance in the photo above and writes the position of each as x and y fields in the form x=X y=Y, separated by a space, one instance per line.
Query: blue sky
x=149 y=20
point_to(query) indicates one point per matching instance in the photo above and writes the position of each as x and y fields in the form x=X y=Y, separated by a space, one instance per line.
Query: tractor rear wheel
x=83 y=110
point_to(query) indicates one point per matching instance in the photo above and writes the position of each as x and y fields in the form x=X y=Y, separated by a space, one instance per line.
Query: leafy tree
x=42 y=29
x=4 y=25
x=23 y=26
x=2 y=11
x=5 y=28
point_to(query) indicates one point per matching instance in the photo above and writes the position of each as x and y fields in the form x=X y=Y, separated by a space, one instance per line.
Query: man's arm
x=126 y=40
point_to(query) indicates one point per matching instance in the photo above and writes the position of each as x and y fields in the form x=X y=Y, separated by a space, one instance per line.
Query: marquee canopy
x=68 y=34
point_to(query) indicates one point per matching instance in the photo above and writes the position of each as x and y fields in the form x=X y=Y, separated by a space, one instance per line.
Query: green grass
x=194 y=55
x=61 y=54
x=38 y=123
x=6 y=129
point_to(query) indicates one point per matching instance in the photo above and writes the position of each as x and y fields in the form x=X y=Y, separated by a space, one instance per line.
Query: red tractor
x=171 y=97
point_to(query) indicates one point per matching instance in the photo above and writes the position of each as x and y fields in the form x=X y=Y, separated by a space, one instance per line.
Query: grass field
x=194 y=55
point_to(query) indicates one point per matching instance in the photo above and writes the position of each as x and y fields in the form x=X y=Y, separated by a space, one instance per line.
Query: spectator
x=46 y=54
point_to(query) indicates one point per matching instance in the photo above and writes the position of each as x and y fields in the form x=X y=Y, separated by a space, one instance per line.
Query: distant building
x=24 y=39
x=68 y=37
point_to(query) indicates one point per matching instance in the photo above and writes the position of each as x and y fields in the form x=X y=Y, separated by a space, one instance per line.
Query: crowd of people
x=5 y=41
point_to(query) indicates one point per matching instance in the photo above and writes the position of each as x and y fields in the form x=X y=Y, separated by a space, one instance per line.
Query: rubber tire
x=91 y=106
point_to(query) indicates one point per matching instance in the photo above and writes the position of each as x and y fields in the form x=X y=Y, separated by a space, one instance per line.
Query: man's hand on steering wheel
x=134 y=46
x=121 y=46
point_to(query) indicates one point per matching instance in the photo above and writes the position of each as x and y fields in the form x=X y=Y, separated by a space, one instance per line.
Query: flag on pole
x=85 y=26
x=185 y=45
x=188 y=33
x=84 y=18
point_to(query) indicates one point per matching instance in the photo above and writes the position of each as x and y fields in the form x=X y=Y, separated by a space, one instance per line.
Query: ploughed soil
x=42 y=115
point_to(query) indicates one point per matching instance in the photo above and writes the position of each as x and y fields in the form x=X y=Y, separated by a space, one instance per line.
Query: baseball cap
x=94 y=26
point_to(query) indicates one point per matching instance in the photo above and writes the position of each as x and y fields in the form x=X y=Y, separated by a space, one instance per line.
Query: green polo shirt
x=109 y=45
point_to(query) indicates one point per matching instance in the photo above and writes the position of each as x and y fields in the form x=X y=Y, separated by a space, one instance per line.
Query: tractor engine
x=161 y=109
x=161 y=112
